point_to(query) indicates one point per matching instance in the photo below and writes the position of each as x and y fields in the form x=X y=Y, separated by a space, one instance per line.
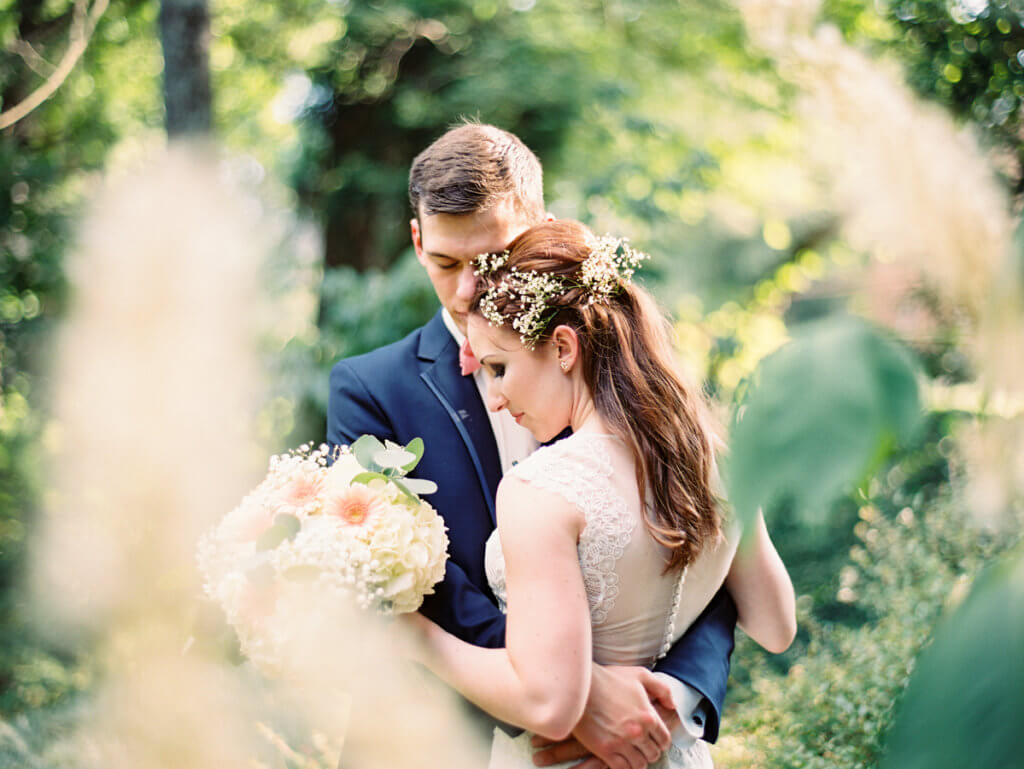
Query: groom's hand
x=624 y=725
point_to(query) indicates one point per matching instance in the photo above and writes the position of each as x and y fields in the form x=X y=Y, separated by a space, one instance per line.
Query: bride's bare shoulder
x=525 y=503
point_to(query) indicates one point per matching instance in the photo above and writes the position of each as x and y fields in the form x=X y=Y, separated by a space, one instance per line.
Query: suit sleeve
x=700 y=658
x=351 y=409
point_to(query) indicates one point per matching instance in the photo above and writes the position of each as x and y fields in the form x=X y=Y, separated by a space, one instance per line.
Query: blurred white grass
x=916 y=193
x=157 y=388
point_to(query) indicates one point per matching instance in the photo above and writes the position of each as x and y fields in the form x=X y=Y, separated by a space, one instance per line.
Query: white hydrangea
x=309 y=531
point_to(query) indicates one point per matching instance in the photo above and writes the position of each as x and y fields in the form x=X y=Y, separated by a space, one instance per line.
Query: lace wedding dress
x=636 y=611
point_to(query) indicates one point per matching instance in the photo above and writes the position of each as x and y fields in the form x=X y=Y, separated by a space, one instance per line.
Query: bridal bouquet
x=314 y=532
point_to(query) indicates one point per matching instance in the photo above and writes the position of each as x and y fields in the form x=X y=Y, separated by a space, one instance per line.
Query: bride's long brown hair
x=638 y=387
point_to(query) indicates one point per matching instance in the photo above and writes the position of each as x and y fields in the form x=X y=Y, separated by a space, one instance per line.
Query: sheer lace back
x=637 y=611
x=580 y=471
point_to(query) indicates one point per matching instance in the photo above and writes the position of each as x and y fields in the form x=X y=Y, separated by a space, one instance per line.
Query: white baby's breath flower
x=610 y=266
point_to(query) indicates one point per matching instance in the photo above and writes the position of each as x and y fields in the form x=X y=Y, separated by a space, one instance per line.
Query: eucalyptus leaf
x=369 y=476
x=819 y=411
x=406 y=490
x=285 y=527
x=963 y=705
x=393 y=458
x=420 y=485
x=364 y=449
x=414 y=447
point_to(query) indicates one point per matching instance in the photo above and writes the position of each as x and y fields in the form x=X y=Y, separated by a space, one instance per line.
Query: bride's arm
x=762 y=590
x=541 y=679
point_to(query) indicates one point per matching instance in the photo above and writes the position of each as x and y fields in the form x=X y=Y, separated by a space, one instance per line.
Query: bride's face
x=529 y=383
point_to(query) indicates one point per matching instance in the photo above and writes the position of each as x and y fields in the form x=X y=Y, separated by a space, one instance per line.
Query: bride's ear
x=567 y=347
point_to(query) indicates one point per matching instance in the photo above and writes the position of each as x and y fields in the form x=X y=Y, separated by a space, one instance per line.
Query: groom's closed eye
x=444 y=262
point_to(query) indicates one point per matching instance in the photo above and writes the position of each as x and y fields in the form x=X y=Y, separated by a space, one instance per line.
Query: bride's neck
x=586 y=419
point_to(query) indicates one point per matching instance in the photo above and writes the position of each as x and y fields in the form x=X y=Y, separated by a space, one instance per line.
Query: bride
x=611 y=541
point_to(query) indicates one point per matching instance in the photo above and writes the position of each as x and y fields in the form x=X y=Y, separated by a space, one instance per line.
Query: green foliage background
x=653 y=118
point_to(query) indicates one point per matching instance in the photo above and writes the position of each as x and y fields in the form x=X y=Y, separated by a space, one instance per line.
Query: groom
x=473 y=191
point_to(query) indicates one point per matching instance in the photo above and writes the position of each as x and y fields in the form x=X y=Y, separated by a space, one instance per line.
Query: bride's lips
x=517 y=417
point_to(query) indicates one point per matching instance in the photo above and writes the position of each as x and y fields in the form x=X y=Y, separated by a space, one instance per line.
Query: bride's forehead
x=485 y=337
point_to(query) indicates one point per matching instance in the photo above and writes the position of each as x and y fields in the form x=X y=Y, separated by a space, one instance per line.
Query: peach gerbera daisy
x=353 y=505
x=302 y=491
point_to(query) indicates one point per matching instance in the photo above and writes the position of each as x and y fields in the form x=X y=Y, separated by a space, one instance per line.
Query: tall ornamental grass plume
x=916 y=194
x=157 y=384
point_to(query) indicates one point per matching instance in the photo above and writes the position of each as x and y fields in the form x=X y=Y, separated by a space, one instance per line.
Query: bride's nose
x=496 y=401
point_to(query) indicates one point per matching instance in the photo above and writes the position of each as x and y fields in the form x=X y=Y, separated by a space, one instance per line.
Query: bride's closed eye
x=497 y=370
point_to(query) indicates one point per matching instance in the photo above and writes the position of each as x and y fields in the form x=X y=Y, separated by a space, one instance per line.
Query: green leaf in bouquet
x=406 y=490
x=304 y=573
x=364 y=449
x=414 y=447
x=366 y=477
x=393 y=457
x=420 y=485
x=285 y=527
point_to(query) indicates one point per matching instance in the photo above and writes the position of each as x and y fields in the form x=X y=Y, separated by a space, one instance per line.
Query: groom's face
x=447 y=244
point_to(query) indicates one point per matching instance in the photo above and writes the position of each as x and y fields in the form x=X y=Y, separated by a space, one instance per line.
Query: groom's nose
x=467 y=282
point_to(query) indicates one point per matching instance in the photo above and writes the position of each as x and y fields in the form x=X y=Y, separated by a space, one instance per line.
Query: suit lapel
x=460 y=398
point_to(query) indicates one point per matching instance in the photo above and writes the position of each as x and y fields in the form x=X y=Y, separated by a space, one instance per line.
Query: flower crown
x=608 y=268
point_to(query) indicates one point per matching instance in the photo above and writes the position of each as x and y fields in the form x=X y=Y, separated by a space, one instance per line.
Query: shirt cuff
x=688 y=705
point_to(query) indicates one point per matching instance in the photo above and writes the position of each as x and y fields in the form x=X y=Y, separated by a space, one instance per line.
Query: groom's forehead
x=463 y=236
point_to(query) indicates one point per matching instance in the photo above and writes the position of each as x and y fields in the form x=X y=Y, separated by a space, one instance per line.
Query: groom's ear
x=417 y=242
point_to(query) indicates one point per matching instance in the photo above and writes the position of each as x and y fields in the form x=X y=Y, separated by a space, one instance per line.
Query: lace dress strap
x=579 y=469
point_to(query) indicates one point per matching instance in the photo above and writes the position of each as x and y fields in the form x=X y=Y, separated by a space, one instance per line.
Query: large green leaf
x=964 y=702
x=819 y=411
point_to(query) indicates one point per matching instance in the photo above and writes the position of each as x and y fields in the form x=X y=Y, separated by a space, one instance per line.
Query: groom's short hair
x=471 y=168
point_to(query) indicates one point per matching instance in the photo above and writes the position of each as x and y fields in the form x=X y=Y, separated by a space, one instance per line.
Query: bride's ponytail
x=638 y=387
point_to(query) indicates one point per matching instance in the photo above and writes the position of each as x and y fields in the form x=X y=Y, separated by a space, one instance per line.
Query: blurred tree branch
x=83 y=24
x=32 y=58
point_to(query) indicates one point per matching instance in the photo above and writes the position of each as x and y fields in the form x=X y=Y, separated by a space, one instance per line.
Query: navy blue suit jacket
x=413 y=388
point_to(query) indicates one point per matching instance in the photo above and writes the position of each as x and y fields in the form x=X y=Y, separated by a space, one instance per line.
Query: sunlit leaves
x=964 y=702
x=819 y=411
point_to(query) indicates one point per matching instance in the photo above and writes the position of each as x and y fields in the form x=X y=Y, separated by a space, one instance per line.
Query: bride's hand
x=624 y=725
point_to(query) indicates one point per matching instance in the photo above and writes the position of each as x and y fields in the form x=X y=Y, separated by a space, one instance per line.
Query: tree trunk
x=185 y=37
